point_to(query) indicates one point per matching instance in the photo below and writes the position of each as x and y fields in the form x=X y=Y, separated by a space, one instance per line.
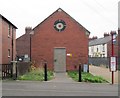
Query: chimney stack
x=106 y=34
x=28 y=30
x=93 y=38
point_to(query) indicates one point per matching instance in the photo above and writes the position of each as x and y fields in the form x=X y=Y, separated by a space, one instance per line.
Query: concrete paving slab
x=62 y=77
x=103 y=72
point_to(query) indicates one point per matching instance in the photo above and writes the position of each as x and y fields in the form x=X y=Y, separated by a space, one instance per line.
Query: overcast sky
x=98 y=16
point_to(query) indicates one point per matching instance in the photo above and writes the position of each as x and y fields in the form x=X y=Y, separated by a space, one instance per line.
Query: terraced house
x=7 y=41
x=100 y=49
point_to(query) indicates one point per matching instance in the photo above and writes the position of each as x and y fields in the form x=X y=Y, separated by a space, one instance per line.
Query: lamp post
x=31 y=33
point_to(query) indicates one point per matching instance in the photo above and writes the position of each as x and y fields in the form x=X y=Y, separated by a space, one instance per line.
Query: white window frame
x=103 y=48
x=9 y=31
x=8 y=53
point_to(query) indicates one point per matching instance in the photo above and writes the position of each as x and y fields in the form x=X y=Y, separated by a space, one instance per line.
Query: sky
x=97 y=16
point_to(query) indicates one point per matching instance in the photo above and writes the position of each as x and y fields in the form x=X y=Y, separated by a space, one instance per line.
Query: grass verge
x=86 y=77
x=36 y=75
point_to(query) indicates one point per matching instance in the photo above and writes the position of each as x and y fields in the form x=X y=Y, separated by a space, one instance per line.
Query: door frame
x=54 y=56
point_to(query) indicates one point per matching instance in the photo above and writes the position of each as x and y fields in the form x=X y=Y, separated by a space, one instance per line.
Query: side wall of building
x=8 y=48
x=0 y=40
x=23 y=45
x=73 y=38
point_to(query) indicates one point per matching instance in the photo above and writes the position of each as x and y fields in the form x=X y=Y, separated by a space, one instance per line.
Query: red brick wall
x=23 y=45
x=119 y=43
x=0 y=40
x=46 y=38
x=7 y=43
x=119 y=48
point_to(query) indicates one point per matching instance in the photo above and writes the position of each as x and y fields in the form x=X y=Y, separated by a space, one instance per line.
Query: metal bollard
x=80 y=79
x=45 y=71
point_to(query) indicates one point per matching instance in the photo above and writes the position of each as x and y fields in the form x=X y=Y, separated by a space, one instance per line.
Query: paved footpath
x=62 y=77
x=104 y=72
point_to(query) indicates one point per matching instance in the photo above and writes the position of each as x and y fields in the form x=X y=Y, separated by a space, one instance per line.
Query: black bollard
x=80 y=80
x=45 y=72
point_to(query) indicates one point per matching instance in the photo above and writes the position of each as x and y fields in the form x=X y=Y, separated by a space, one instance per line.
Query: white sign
x=26 y=55
x=114 y=38
x=113 y=63
x=69 y=55
x=85 y=69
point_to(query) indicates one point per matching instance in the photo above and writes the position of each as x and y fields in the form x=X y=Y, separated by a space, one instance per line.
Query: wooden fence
x=7 y=70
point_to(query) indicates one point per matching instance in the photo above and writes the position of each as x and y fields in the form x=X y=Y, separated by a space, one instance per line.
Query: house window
x=9 y=33
x=103 y=55
x=12 y=33
x=59 y=25
x=92 y=49
x=8 y=52
x=97 y=49
x=90 y=56
x=12 y=30
x=103 y=47
x=100 y=55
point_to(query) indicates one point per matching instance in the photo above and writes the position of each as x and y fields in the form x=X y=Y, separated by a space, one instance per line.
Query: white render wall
x=98 y=50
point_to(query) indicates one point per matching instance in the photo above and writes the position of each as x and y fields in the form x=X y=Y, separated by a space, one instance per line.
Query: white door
x=59 y=59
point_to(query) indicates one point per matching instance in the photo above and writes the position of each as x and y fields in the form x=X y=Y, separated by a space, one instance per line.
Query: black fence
x=102 y=61
x=7 y=70
x=99 y=61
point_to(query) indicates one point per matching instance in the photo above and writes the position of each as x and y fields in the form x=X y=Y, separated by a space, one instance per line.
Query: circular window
x=59 y=25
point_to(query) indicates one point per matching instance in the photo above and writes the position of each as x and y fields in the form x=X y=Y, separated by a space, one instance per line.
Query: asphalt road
x=30 y=88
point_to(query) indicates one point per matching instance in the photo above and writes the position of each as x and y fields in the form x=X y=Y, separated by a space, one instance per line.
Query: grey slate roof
x=100 y=41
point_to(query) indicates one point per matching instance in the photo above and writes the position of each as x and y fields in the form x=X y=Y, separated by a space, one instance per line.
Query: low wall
x=23 y=67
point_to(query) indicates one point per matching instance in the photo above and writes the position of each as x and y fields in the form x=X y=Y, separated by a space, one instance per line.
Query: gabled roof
x=59 y=9
x=8 y=21
x=100 y=41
